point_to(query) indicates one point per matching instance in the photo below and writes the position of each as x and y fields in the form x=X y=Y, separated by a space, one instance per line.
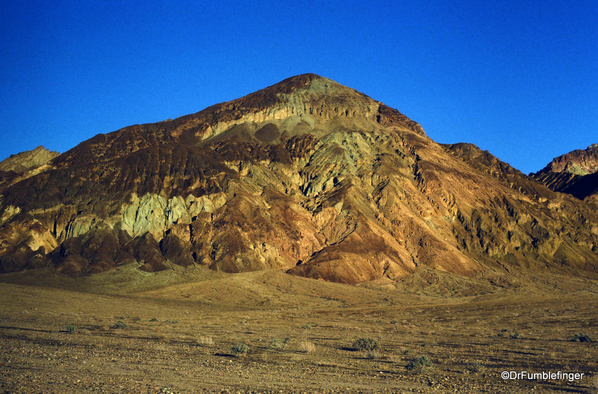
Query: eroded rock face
x=306 y=175
x=578 y=162
x=28 y=160
x=24 y=165
x=574 y=173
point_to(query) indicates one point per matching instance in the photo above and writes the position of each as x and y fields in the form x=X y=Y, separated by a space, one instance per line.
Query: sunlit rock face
x=27 y=161
x=307 y=176
x=574 y=173
x=25 y=164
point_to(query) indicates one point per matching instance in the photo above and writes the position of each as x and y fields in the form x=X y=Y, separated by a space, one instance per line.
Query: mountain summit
x=306 y=175
x=575 y=173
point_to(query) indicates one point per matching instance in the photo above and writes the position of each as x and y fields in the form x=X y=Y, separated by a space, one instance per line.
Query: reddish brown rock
x=308 y=176
x=574 y=173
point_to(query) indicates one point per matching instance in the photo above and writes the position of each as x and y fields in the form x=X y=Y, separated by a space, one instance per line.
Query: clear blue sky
x=518 y=78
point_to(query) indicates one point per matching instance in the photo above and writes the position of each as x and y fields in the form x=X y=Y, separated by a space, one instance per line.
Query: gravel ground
x=180 y=339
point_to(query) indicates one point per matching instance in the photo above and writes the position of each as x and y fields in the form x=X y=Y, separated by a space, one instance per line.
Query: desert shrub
x=502 y=333
x=475 y=367
x=277 y=344
x=366 y=344
x=306 y=327
x=372 y=355
x=516 y=336
x=153 y=319
x=420 y=364
x=581 y=337
x=120 y=324
x=307 y=347
x=70 y=329
x=239 y=349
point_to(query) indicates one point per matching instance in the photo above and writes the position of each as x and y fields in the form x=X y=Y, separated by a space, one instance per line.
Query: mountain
x=28 y=160
x=575 y=173
x=24 y=164
x=306 y=175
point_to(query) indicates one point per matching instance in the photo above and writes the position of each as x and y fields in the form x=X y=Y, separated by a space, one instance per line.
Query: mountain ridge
x=273 y=102
x=574 y=173
x=306 y=175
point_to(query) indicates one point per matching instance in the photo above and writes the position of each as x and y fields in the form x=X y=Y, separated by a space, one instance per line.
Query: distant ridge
x=574 y=173
x=28 y=160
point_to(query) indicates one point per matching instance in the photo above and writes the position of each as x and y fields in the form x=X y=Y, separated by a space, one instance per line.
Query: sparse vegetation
x=372 y=355
x=368 y=344
x=278 y=344
x=475 y=367
x=239 y=349
x=198 y=348
x=420 y=364
x=581 y=337
x=119 y=325
x=504 y=333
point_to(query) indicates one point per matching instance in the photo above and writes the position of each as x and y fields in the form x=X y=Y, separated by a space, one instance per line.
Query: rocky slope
x=579 y=162
x=28 y=160
x=575 y=173
x=24 y=164
x=306 y=175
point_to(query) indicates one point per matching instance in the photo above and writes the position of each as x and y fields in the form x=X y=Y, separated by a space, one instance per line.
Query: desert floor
x=177 y=330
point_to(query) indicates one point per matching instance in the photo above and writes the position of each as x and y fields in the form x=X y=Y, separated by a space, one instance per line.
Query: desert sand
x=127 y=331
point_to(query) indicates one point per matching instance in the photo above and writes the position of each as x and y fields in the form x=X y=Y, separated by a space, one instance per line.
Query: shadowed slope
x=574 y=173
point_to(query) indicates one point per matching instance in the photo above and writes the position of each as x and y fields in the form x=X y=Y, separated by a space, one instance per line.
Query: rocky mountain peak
x=307 y=175
x=24 y=165
x=28 y=160
x=575 y=173
x=303 y=104
x=308 y=99
x=578 y=162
